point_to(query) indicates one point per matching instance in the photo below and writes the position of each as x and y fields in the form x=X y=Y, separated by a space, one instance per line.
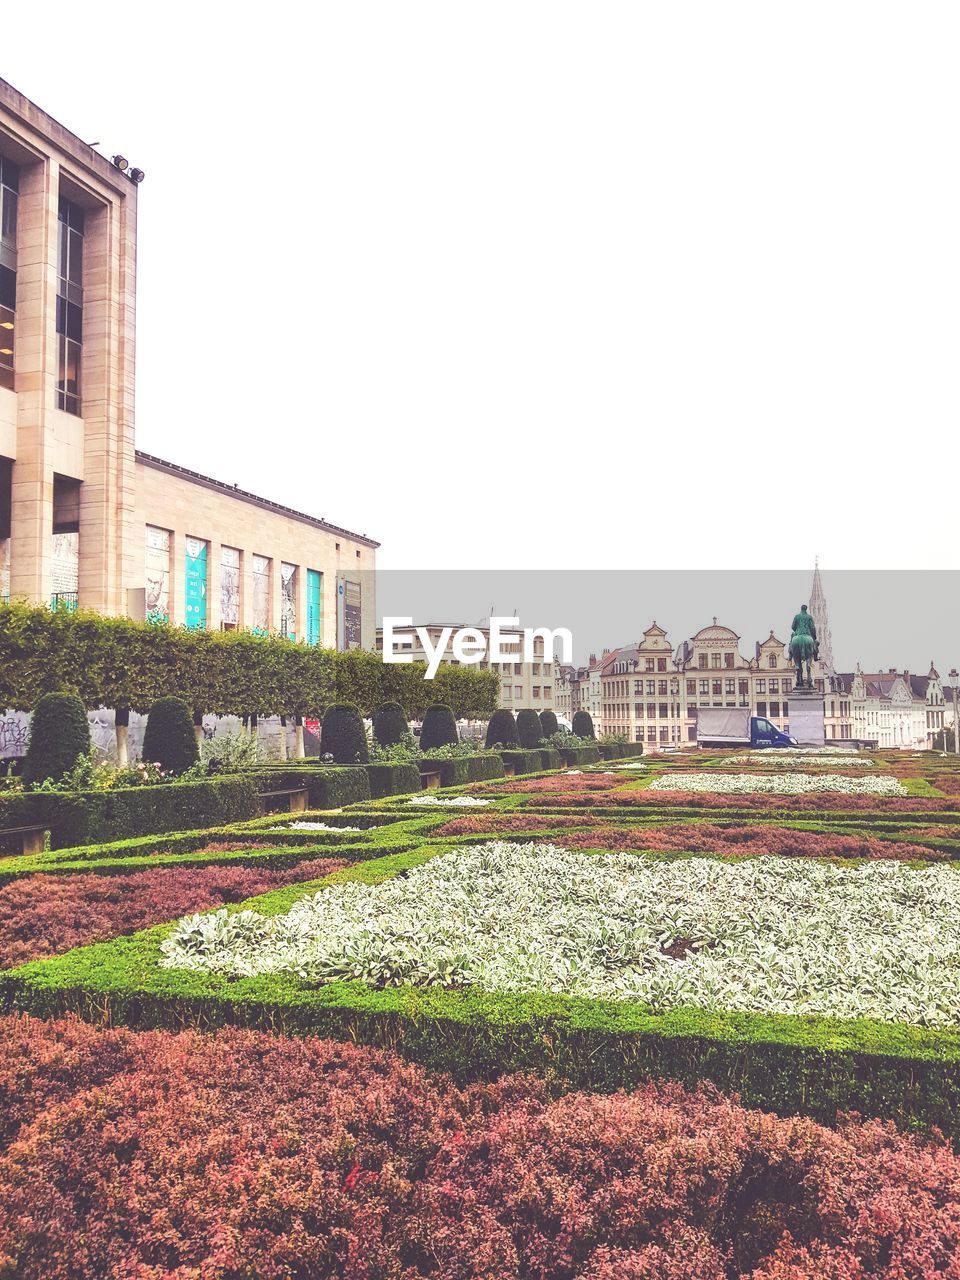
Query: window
x=728 y=659
x=761 y=709
x=518 y=668
x=704 y=688
x=229 y=588
x=775 y=710
x=651 y=687
x=547 y=689
x=772 y=661
x=9 y=187
x=536 y=692
x=536 y=668
x=664 y=711
x=691 y=688
x=314 y=605
x=662 y=687
x=70 y=306
x=518 y=692
x=761 y=686
x=157 y=566
x=715 y=660
x=651 y=734
x=787 y=684
x=638 y=735
x=651 y=710
x=730 y=685
x=637 y=687
x=744 y=688
x=664 y=734
x=649 y=665
x=702 y=661
x=507 y=692
x=288 y=600
x=638 y=711
x=717 y=688
x=261 y=594
x=774 y=685
x=661 y=664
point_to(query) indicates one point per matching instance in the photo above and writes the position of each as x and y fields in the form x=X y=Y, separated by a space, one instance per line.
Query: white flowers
x=806 y=755
x=312 y=826
x=459 y=801
x=783 y=784
x=769 y=935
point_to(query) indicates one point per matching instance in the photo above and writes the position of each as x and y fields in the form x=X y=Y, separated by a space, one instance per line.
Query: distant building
x=895 y=708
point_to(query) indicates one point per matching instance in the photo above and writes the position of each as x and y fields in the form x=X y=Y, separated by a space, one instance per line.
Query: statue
x=804 y=648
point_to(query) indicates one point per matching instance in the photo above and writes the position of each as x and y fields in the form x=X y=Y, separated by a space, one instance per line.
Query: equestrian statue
x=804 y=647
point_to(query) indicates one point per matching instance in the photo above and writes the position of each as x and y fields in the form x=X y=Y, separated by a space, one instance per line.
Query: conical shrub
x=439 y=728
x=548 y=724
x=583 y=725
x=502 y=730
x=59 y=736
x=528 y=729
x=342 y=735
x=390 y=725
x=169 y=739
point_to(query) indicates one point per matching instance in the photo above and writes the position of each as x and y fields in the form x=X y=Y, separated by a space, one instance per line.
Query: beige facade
x=85 y=519
x=522 y=684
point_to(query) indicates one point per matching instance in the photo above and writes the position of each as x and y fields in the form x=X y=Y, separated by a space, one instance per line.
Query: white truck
x=736 y=727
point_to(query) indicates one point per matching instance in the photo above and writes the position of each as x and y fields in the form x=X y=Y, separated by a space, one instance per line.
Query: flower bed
x=781 y=784
x=813 y=758
x=448 y=802
x=240 y=1153
x=586 y=783
x=762 y=936
x=44 y=915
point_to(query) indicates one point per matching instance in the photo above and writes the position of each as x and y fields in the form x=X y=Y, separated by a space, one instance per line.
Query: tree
x=548 y=724
x=169 y=739
x=502 y=730
x=583 y=725
x=528 y=729
x=59 y=736
x=342 y=735
x=390 y=725
x=439 y=728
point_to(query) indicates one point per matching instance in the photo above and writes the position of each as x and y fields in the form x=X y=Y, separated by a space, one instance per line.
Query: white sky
x=560 y=285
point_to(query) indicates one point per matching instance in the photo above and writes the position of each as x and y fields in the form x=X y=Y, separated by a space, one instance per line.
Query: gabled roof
x=628 y=653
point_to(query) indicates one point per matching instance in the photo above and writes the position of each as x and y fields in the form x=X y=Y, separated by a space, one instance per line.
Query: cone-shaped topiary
x=502 y=730
x=59 y=736
x=169 y=739
x=583 y=725
x=342 y=735
x=548 y=724
x=439 y=728
x=390 y=724
x=528 y=729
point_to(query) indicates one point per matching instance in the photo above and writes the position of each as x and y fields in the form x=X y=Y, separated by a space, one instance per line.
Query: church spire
x=818 y=608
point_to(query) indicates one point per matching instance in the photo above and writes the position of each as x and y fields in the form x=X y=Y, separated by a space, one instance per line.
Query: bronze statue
x=804 y=648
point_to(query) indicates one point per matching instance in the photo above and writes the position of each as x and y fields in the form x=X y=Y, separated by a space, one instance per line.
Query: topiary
x=548 y=724
x=390 y=725
x=59 y=736
x=439 y=728
x=528 y=729
x=342 y=735
x=170 y=739
x=583 y=725
x=502 y=730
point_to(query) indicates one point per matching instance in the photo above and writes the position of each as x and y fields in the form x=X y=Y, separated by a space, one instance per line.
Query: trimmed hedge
x=575 y=757
x=613 y=751
x=59 y=736
x=390 y=725
x=549 y=725
x=115 y=662
x=582 y=724
x=522 y=761
x=529 y=731
x=169 y=739
x=342 y=735
x=550 y=759
x=439 y=728
x=463 y=769
x=392 y=779
x=788 y=1064
x=327 y=788
x=502 y=730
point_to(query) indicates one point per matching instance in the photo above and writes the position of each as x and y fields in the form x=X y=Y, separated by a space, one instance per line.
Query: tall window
x=229 y=588
x=70 y=306
x=314 y=605
x=195 y=584
x=261 y=595
x=288 y=600
x=157 y=567
x=9 y=186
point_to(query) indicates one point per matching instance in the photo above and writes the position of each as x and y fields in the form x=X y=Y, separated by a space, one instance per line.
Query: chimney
x=593 y=657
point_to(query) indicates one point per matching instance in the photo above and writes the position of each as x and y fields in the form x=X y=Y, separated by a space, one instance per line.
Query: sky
x=544 y=286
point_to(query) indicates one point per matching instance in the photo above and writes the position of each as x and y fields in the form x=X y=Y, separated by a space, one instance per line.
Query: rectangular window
x=775 y=710
x=728 y=659
x=704 y=688
x=651 y=686
x=507 y=692
x=702 y=661
x=761 y=708
x=661 y=664
x=772 y=661
x=261 y=595
x=517 y=692
x=638 y=711
x=774 y=685
x=288 y=600
x=717 y=688
x=6 y=504
x=314 y=605
x=691 y=688
x=70 y=307
x=157 y=567
x=651 y=711
x=536 y=692
x=195 y=585
x=229 y=588
x=652 y=734
x=761 y=686
x=662 y=687
x=648 y=664
x=9 y=188
x=715 y=660
x=729 y=686
x=664 y=711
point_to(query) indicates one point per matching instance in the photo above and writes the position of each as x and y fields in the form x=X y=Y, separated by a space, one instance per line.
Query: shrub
x=342 y=735
x=549 y=724
x=502 y=730
x=583 y=725
x=529 y=731
x=439 y=728
x=390 y=726
x=59 y=736
x=169 y=738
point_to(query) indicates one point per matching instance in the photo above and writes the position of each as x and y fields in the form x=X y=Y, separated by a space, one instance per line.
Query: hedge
x=59 y=736
x=576 y=757
x=788 y=1064
x=529 y=729
x=392 y=779
x=114 y=662
x=327 y=788
x=343 y=738
x=460 y=770
x=439 y=728
x=522 y=761
x=619 y=750
x=169 y=739
x=550 y=759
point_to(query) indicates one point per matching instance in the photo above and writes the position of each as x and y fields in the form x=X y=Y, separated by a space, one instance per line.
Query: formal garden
x=530 y=1007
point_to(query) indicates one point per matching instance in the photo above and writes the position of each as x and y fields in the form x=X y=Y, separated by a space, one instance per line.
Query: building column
x=31 y=522
x=214 y=611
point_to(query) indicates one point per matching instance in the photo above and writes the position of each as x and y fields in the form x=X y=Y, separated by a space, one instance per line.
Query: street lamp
x=954 y=676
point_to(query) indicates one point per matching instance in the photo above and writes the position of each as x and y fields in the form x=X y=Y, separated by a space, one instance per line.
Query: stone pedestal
x=806 y=712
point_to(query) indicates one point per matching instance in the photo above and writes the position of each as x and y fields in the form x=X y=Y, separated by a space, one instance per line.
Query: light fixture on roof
x=121 y=162
x=137 y=175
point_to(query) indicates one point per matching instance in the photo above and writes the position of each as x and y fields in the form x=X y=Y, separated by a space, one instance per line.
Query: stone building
x=86 y=519
x=896 y=709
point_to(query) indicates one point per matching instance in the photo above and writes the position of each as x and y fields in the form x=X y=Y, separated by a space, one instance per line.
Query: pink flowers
x=45 y=915
x=242 y=1153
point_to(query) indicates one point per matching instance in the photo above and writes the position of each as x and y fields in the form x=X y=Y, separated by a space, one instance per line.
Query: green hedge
x=329 y=787
x=88 y=817
x=619 y=751
x=550 y=759
x=392 y=779
x=114 y=662
x=463 y=769
x=522 y=761
x=576 y=757
x=792 y=1065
